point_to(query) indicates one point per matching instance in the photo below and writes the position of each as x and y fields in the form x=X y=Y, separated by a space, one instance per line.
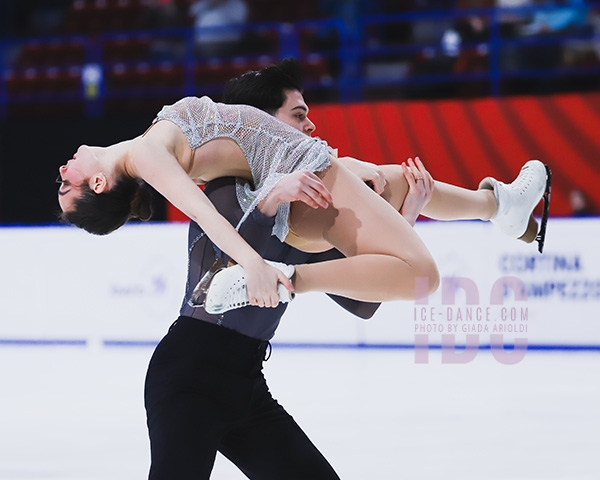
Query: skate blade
x=198 y=296
x=541 y=236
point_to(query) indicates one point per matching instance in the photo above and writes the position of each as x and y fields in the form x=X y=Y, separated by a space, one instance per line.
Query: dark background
x=32 y=150
x=351 y=51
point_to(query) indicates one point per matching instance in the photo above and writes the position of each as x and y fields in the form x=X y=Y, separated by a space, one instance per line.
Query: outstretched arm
x=158 y=166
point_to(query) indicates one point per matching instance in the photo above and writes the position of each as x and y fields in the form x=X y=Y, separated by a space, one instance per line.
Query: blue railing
x=494 y=44
x=339 y=58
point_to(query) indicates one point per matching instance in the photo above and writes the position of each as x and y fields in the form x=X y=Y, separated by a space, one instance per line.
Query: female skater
x=201 y=140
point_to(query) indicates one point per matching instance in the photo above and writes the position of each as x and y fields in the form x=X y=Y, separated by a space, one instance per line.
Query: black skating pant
x=205 y=392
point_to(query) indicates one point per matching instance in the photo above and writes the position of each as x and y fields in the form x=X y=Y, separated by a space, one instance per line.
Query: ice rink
x=75 y=345
x=76 y=412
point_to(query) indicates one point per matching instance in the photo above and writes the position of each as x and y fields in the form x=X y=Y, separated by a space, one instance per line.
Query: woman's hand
x=156 y=164
x=420 y=184
x=367 y=172
x=301 y=186
x=260 y=278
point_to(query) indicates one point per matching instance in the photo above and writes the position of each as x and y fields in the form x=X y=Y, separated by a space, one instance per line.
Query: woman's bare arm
x=155 y=164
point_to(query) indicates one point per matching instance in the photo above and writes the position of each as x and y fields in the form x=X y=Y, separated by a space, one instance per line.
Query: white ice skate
x=226 y=289
x=517 y=200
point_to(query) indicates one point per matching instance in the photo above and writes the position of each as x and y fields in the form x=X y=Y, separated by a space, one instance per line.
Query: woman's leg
x=448 y=202
x=385 y=255
x=386 y=260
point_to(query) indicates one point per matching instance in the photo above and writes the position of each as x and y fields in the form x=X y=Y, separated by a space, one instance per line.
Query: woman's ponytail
x=141 y=203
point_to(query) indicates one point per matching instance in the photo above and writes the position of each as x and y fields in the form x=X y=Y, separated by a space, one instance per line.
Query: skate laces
x=237 y=294
x=523 y=181
x=228 y=289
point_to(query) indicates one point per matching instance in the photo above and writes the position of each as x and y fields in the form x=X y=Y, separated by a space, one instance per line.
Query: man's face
x=294 y=112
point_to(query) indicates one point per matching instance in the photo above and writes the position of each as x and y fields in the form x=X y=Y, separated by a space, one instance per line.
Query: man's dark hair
x=265 y=88
x=102 y=213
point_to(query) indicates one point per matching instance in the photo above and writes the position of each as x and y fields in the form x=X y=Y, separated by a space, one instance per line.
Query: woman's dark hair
x=265 y=89
x=105 y=212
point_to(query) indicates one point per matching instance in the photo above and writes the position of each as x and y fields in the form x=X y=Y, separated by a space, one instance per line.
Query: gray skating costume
x=272 y=148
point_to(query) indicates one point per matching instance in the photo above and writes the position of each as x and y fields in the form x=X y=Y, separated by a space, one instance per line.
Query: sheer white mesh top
x=272 y=148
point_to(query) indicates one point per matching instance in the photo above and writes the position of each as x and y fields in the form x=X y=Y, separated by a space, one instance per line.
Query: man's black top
x=252 y=321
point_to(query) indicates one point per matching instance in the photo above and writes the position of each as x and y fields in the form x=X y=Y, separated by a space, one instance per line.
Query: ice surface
x=69 y=412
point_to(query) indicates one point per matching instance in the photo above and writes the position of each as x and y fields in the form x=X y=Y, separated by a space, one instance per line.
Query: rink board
x=59 y=285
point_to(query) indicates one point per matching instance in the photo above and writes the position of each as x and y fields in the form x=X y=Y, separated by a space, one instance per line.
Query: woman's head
x=85 y=168
x=102 y=213
x=97 y=201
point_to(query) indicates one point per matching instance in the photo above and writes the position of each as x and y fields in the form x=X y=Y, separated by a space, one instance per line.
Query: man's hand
x=420 y=189
x=301 y=186
x=367 y=172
